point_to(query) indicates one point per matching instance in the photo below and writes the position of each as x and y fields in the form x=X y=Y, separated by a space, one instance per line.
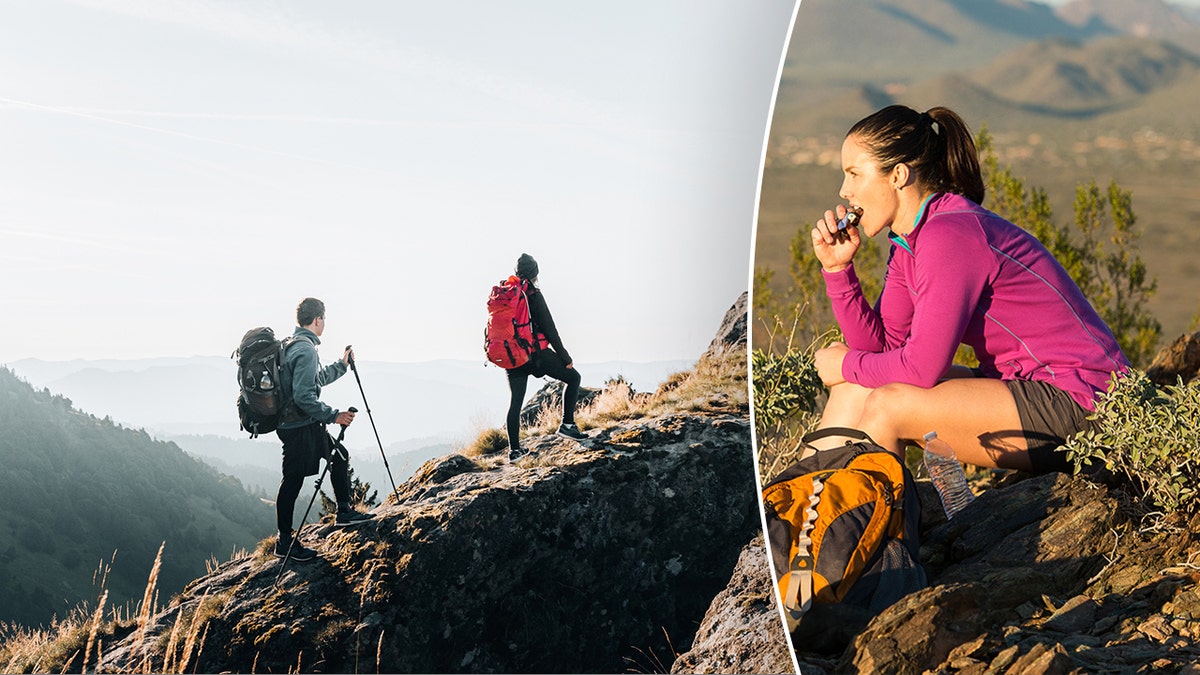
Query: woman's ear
x=901 y=176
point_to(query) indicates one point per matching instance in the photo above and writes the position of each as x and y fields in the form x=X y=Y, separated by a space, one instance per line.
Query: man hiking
x=302 y=427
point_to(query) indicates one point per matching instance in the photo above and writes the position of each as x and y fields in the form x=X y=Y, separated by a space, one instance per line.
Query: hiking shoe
x=351 y=517
x=571 y=431
x=517 y=453
x=299 y=553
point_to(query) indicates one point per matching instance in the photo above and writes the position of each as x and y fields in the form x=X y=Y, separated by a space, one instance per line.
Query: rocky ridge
x=561 y=562
x=1047 y=574
x=598 y=556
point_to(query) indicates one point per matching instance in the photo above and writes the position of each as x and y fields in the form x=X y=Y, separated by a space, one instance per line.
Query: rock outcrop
x=1178 y=360
x=570 y=560
x=1044 y=575
x=548 y=400
x=596 y=556
x=742 y=631
x=732 y=332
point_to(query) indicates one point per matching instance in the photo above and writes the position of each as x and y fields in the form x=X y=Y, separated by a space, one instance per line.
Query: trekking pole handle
x=351 y=356
x=352 y=410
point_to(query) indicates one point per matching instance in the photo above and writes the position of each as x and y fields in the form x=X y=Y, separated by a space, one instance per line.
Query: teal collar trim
x=899 y=239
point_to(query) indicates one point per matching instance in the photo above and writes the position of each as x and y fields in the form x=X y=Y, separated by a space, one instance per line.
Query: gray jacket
x=303 y=378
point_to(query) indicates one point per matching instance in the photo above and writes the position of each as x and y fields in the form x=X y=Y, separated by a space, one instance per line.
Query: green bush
x=788 y=394
x=1149 y=435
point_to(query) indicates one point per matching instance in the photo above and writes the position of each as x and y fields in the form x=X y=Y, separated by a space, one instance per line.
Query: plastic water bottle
x=946 y=474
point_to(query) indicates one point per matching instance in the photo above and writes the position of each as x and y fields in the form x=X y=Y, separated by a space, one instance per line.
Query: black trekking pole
x=337 y=444
x=366 y=405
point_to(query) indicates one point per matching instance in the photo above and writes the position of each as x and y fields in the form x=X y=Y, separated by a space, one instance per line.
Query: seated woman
x=956 y=273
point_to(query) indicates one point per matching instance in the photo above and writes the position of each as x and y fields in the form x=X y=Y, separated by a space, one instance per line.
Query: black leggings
x=545 y=362
x=303 y=449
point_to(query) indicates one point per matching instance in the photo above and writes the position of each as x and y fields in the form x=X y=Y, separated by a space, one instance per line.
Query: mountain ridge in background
x=182 y=396
x=80 y=491
x=1083 y=93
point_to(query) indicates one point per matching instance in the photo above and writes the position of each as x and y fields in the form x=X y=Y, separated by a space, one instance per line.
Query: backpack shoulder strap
x=847 y=432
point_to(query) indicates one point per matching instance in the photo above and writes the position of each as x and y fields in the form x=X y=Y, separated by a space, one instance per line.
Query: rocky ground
x=585 y=557
x=742 y=631
x=1044 y=574
x=597 y=556
x=1049 y=574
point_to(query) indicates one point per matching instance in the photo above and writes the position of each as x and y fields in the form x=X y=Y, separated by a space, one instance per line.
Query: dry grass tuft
x=96 y=617
x=82 y=634
x=489 y=442
x=717 y=382
x=147 y=608
x=617 y=402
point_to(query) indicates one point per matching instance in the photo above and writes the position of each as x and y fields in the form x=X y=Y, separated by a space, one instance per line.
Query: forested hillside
x=78 y=492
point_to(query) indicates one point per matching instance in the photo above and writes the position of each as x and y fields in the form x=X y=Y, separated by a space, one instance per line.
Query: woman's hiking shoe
x=349 y=517
x=299 y=551
x=517 y=453
x=571 y=431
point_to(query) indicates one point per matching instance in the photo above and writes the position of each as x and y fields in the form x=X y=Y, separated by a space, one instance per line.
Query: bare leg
x=976 y=416
x=844 y=408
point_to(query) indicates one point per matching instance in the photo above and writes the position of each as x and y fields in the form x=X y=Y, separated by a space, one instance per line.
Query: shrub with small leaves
x=1151 y=436
x=788 y=395
x=785 y=382
x=783 y=385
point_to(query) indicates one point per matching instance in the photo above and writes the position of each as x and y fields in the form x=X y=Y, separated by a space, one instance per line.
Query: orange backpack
x=843 y=526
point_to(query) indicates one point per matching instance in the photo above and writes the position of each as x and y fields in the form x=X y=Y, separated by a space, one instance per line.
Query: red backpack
x=508 y=339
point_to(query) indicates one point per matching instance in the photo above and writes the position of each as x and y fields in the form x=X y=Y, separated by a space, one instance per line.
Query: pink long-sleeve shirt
x=972 y=277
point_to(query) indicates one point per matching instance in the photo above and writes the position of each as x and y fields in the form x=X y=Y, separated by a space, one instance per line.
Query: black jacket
x=543 y=323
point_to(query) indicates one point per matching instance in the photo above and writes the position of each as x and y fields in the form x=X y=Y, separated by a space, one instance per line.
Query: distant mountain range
x=422 y=410
x=1093 y=89
x=1143 y=18
x=1021 y=62
x=429 y=401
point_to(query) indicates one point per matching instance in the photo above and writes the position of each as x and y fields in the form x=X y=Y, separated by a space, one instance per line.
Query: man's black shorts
x=303 y=449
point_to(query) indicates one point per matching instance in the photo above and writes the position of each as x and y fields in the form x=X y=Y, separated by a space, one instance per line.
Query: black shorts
x=1049 y=416
x=303 y=449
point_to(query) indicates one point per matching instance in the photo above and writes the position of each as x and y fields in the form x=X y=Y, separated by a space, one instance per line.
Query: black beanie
x=527 y=267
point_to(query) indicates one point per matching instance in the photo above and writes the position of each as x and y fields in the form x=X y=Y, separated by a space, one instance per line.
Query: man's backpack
x=843 y=526
x=508 y=339
x=261 y=398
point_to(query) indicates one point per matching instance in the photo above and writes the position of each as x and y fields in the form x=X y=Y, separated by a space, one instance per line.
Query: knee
x=889 y=402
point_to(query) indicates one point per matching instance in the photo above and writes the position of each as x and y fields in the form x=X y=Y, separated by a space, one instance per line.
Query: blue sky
x=173 y=173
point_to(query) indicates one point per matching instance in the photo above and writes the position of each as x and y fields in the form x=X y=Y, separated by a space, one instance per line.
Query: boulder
x=732 y=332
x=1178 y=360
x=742 y=631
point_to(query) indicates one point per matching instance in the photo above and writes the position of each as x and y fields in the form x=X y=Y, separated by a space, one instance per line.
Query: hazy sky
x=174 y=173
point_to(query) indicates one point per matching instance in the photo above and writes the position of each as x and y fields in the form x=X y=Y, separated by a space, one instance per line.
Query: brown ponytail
x=935 y=145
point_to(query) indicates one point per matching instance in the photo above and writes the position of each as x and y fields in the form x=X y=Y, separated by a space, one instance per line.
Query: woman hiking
x=956 y=273
x=555 y=362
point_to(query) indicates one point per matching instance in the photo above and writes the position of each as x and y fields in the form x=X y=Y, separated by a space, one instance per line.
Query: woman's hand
x=835 y=252
x=829 y=363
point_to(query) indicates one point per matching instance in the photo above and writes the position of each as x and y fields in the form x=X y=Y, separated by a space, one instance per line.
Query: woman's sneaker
x=299 y=551
x=516 y=453
x=571 y=431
